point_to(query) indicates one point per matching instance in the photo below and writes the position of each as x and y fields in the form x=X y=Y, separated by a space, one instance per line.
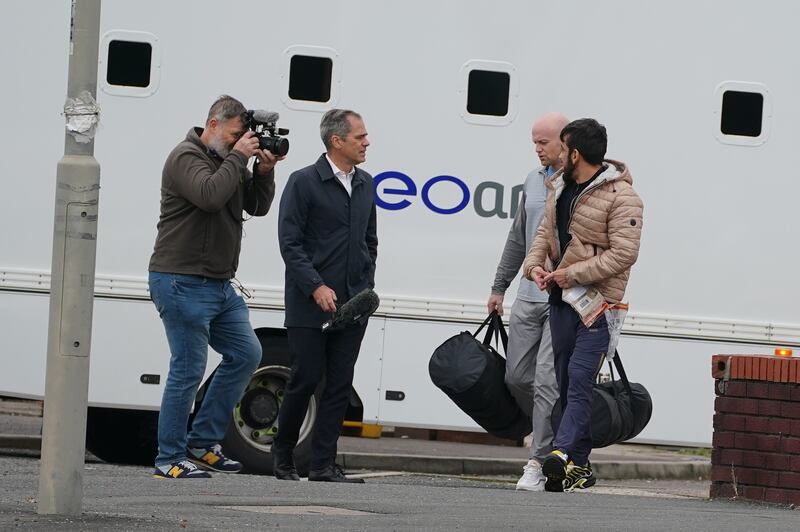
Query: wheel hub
x=259 y=408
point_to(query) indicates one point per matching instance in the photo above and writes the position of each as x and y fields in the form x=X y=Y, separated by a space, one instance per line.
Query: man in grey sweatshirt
x=530 y=374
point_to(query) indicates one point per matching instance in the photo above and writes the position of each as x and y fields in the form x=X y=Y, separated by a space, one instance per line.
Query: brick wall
x=756 y=445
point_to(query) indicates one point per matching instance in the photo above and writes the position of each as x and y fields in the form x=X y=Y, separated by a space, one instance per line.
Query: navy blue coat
x=325 y=237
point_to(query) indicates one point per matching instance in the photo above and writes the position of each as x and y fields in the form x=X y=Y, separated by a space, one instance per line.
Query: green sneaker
x=579 y=477
x=554 y=468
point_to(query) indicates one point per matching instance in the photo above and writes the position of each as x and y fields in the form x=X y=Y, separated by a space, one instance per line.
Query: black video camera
x=262 y=123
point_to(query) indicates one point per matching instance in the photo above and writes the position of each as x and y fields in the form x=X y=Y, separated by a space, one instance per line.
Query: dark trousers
x=331 y=356
x=578 y=353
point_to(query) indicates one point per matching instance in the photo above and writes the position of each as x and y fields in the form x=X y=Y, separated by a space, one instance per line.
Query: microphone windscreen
x=262 y=115
x=358 y=308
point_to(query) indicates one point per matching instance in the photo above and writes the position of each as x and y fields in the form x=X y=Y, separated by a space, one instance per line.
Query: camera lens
x=277 y=145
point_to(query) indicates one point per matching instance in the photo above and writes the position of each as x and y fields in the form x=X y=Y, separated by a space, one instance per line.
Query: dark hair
x=588 y=136
x=335 y=122
x=225 y=108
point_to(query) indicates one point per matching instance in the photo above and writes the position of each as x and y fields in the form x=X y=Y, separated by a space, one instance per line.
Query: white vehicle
x=697 y=97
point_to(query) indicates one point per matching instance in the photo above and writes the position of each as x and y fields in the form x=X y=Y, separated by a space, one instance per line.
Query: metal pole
x=72 y=277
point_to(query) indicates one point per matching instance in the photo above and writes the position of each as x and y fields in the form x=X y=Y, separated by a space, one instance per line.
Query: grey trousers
x=530 y=372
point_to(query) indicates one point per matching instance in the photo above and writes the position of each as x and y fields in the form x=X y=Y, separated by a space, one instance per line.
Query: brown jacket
x=202 y=199
x=606 y=226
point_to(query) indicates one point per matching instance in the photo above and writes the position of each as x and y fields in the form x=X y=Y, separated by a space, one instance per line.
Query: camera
x=263 y=124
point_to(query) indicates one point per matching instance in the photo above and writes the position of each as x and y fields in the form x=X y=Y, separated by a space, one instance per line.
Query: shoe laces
x=187 y=465
x=531 y=468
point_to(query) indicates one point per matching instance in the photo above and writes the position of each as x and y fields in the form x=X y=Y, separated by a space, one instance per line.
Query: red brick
x=794 y=463
x=722 y=473
x=734 y=366
x=724 y=440
x=758 y=390
x=758 y=442
x=776 y=370
x=736 y=405
x=762 y=369
x=784 y=371
x=790 y=409
x=765 y=478
x=736 y=389
x=775 y=495
x=754 y=493
x=757 y=424
x=795 y=428
x=795 y=392
x=793 y=497
x=748 y=368
x=777 y=462
x=790 y=480
x=767 y=407
x=729 y=422
x=780 y=392
x=718 y=365
x=732 y=457
x=790 y=445
x=744 y=458
x=793 y=371
x=780 y=426
x=722 y=490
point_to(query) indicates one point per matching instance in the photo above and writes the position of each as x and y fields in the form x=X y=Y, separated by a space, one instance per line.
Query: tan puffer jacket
x=606 y=227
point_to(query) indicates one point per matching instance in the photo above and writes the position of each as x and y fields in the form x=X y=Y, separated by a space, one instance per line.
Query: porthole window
x=489 y=92
x=130 y=63
x=312 y=76
x=742 y=113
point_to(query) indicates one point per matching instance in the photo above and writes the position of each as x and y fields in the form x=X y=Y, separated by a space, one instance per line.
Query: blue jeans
x=198 y=312
x=578 y=353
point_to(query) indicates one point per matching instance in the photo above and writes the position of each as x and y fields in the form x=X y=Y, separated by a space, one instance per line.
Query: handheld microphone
x=359 y=307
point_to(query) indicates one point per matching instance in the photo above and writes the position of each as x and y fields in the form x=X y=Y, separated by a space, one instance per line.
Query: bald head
x=545 y=134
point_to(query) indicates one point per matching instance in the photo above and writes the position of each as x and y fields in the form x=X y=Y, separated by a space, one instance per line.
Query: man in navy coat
x=328 y=241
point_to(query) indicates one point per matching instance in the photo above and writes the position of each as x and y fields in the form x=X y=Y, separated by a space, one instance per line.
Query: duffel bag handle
x=495 y=328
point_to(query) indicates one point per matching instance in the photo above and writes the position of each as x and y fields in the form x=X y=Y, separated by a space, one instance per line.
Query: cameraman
x=205 y=186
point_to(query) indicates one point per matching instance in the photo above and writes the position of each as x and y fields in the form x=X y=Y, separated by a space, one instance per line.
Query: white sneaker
x=532 y=477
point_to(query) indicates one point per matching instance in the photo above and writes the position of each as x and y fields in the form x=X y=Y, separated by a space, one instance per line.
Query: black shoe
x=332 y=473
x=283 y=465
x=554 y=469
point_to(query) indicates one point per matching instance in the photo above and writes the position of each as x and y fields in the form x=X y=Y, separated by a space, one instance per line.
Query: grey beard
x=218 y=146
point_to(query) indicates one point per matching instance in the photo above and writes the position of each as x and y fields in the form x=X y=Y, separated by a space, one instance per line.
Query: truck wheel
x=255 y=416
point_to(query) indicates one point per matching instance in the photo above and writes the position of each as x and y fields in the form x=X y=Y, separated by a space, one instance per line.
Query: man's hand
x=540 y=277
x=267 y=161
x=325 y=298
x=495 y=303
x=559 y=277
x=247 y=144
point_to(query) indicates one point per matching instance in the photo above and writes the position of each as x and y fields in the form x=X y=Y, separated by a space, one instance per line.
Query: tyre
x=255 y=417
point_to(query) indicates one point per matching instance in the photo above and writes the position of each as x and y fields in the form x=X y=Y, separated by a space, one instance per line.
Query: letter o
x=427 y=201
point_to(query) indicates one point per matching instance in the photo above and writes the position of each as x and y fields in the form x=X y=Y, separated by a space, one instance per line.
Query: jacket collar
x=325 y=172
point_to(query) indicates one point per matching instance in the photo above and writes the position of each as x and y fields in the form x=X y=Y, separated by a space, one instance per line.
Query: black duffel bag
x=620 y=409
x=472 y=374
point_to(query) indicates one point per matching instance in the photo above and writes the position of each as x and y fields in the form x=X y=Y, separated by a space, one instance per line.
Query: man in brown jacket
x=589 y=237
x=205 y=187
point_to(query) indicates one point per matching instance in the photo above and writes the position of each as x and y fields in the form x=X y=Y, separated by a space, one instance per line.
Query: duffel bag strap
x=622 y=375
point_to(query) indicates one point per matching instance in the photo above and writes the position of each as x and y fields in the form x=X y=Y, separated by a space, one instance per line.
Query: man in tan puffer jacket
x=589 y=236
